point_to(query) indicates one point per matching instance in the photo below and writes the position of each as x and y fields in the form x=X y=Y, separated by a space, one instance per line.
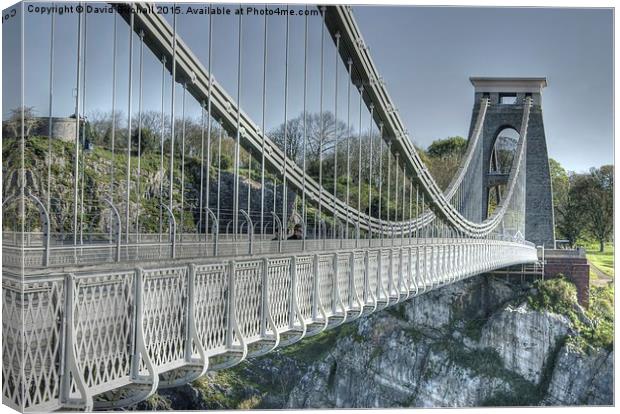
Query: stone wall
x=575 y=268
x=62 y=128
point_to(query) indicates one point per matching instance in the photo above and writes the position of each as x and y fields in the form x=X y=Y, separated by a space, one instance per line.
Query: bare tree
x=30 y=121
x=321 y=132
x=101 y=126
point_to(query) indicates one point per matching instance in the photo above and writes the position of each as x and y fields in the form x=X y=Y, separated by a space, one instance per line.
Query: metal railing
x=153 y=247
x=88 y=332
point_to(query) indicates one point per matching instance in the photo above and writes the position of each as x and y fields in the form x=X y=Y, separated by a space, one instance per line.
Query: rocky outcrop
x=404 y=369
x=425 y=353
x=524 y=339
x=252 y=189
x=582 y=378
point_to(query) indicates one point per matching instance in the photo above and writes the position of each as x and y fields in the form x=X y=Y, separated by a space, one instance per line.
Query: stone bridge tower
x=504 y=114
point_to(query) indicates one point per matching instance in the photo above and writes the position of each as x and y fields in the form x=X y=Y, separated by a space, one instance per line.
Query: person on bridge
x=297 y=233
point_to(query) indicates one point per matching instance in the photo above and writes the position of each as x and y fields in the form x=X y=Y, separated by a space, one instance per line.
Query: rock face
x=425 y=353
x=524 y=339
x=473 y=343
x=582 y=379
x=253 y=190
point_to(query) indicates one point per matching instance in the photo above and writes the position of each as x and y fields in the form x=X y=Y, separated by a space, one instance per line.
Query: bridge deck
x=29 y=252
x=118 y=332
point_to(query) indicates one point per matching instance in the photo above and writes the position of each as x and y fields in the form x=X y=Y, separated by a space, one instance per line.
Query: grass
x=603 y=261
x=594 y=279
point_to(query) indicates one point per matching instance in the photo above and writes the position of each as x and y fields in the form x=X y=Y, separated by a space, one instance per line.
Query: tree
x=567 y=222
x=320 y=132
x=444 y=157
x=601 y=214
x=559 y=183
x=594 y=196
x=294 y=137
x=101 y=129
x=149 y=141
x=14 y=123
x=569 y=218
x=447 y=148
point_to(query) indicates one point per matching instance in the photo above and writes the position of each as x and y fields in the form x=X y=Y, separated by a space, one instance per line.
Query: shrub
x=554 y=295
x=560 y=296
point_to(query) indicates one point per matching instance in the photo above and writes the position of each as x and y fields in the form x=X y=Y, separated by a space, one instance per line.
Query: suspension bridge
x=115 y=287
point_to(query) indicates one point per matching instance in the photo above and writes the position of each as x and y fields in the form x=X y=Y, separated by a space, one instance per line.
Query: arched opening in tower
x=501 y=158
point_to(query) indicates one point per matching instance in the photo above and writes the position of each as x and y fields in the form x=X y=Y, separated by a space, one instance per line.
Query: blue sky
x=425 y=54
x=444 y=46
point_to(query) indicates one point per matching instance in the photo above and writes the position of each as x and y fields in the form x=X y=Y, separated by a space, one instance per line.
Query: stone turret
x=507 y=96
x=63 y=128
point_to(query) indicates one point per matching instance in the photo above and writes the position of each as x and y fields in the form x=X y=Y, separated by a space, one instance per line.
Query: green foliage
x=583 y=203
x=602 y=302
x=426 y=159
x=486 y=362
x=224 y=389
x=604 y=261
x=349 y=330
x=559 y=182
x=601 y=313
x=313 y=348
x=560 y=296
x=158 y=403
x=95 y=168
x=443 y=157
x=557 y=295
x=594 y=193
x=226 y=162
x=249 y=403
x=447 y=148
x=566 y=225
x=569 y=218
x=149 y=141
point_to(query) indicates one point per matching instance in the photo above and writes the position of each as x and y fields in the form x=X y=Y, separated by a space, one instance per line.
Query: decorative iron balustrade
x=108 y=338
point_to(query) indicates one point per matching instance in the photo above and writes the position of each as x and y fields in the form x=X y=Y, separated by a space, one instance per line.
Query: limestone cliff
x=474 y=343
